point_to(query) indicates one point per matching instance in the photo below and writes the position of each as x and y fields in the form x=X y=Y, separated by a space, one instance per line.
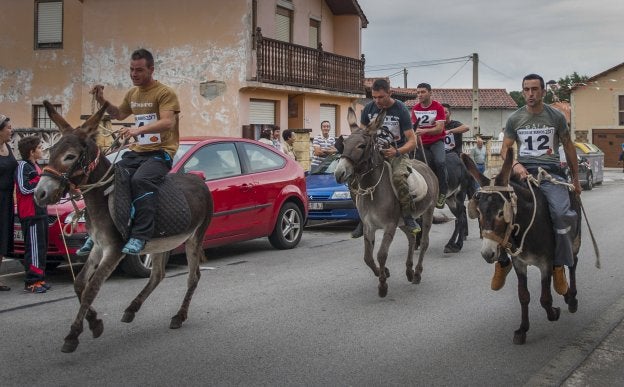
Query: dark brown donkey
x=75 y=160
x=514 y=219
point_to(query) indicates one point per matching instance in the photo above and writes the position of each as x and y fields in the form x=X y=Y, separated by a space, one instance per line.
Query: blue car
x=328 y=200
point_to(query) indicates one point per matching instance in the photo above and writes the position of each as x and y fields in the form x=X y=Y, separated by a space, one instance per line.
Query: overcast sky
x=553 y=38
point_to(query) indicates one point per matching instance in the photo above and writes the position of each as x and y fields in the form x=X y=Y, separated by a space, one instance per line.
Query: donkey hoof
x=70 y=345
x=519 y=337
x=554 y=315
x=416 y=279
x=176 y=322
x=97 y=328
x=383 y=290
x=451 y=249
x=127 y=317
x=572 y=305
x=410 y=274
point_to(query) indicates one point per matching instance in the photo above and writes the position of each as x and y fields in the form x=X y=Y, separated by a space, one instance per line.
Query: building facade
x=235 y=66
x=598 y=112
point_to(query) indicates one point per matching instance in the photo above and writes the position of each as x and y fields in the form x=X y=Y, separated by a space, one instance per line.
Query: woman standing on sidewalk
x=7 y=171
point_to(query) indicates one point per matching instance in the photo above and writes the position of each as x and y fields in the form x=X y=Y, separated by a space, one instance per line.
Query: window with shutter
x=48 y=24
x=262 y=112
x=283 y=24
x=314 y=33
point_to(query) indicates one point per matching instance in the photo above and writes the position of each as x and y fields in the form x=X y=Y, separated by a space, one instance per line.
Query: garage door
x=610 y=142
x=328 y=113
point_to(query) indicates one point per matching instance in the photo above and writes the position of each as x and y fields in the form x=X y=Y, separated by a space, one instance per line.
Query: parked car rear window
x=216 y=161
x=262 y=159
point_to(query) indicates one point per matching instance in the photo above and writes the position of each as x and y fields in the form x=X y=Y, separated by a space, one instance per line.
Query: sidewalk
x=595 y=359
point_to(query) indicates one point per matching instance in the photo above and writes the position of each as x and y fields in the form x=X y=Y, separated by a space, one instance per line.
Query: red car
x=257 y=192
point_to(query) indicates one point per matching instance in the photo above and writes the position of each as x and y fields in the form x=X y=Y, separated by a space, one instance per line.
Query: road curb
x=11 y=266
x=570 y=358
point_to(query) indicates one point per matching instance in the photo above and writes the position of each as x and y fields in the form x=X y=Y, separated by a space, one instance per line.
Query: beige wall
x=595 y=106
x=28 y=76
x=202 y=49
x=347 y=36
x=188 y=50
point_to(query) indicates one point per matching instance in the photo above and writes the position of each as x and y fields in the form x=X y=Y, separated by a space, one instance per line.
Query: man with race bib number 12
x=428 y=115
x=538 y=130
x=155 y=108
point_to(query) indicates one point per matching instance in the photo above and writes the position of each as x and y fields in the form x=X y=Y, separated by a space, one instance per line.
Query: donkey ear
x=352 y=119
x=56 y=118
x=339 y=144
x=378 y=123
x=91 y=125
x=472 y=169
x=502 y=179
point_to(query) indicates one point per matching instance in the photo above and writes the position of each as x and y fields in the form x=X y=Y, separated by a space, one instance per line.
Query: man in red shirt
x=429 y=118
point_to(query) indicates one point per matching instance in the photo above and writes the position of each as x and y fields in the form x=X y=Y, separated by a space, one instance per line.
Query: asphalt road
x=311 y=316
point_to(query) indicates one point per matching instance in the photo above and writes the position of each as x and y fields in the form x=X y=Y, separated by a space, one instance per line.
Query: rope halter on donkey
x=510 y=209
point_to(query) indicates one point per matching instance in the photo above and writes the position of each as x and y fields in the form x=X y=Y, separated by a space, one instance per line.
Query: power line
x=493 y=69
x=425 y=63
x=455 y=73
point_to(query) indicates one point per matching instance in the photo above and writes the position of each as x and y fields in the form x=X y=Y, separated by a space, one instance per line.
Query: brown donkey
x=514 y=219
x=75 y=160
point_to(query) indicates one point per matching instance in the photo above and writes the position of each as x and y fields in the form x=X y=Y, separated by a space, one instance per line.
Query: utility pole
x=475 y=94
x=404 y=77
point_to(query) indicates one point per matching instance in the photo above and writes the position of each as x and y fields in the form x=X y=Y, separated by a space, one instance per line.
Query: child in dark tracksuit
x=34 y=219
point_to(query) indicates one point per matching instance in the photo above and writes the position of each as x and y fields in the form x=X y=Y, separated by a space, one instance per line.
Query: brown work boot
x=500 y=274
x=559 y=280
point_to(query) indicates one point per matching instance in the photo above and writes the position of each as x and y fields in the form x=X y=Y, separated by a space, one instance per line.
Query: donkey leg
x=546 y=299
x=195 y=254
x=369 y=244
x=93 y=285
x=424 y=244
x=159 y=261
x=382 y=256
x=96 y=325
x=570 y=297
x=409 y=263
x=524 y=297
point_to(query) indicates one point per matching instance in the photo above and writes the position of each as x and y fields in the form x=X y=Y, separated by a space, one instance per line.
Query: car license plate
x=315 y=206
x=18 y=236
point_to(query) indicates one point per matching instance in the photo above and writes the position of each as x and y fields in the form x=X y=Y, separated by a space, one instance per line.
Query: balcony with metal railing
x=283 y=63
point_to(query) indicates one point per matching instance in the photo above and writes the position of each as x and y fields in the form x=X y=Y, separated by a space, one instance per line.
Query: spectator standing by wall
x=479 y=155
x=7 y=171
x=323 y=145
x=34 y=219
x=289 y=140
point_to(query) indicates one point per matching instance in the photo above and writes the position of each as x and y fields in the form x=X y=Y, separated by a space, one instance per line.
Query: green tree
x=561 y=89
x=518 y=97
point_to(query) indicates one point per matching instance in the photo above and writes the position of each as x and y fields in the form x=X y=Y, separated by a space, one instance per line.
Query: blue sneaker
x=411 y=224
x=86 y=248
x=133 y=246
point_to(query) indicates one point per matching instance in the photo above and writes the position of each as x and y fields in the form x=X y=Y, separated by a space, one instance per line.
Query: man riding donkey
x=538 y=130
x=398 y=124
x=429 y=119
x=155 y=108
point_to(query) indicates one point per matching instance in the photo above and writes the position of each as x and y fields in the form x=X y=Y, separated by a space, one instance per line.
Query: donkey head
x=69 y=157
x=494 y=206
x=357 y=150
